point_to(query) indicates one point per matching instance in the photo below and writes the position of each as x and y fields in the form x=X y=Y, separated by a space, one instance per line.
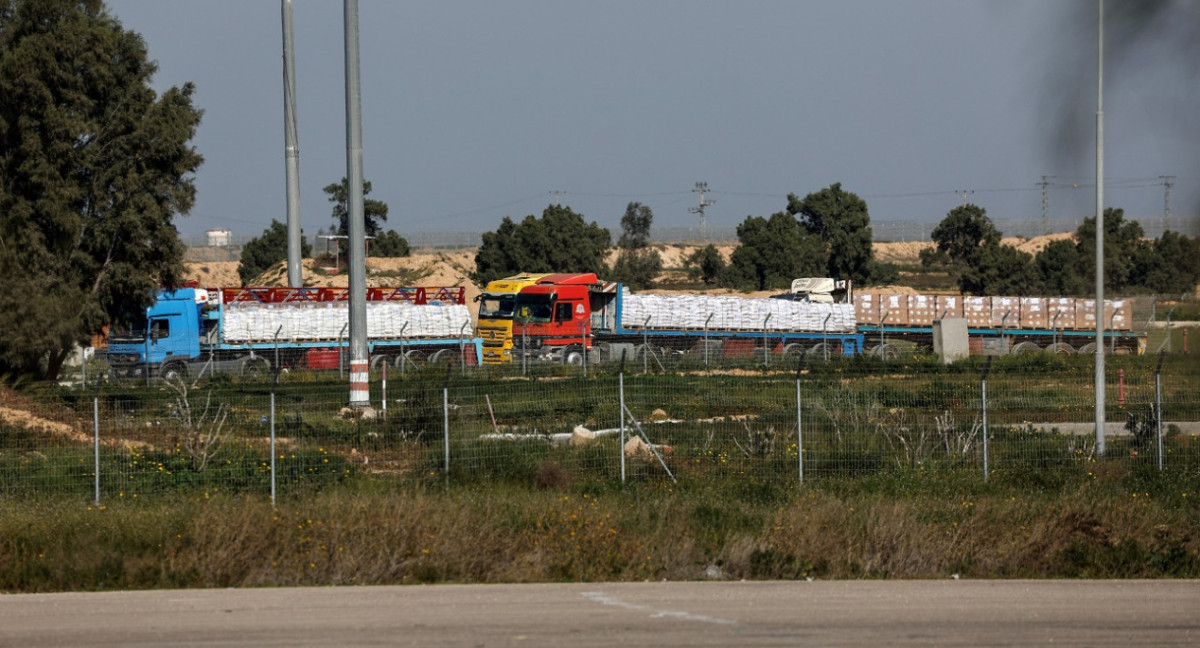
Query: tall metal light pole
x=1100 y=232
x=359 y=394
x=291 y=150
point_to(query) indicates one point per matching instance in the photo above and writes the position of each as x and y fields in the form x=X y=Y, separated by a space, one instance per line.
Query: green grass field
x=893 y=483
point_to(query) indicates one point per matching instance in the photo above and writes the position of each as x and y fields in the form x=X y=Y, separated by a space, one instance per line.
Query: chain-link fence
x=552 y=426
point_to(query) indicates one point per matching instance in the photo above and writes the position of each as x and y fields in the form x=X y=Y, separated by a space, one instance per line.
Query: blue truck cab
x=166 y=340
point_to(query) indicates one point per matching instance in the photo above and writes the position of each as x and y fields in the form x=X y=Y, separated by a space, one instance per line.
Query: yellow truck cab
x=496 y=315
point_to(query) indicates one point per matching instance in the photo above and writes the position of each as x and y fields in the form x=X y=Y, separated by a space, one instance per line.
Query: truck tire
x=886 y=352
x=379 y=361
x=173 y=371
x=820 y=350
x=254 y=367
x=1060 y=348
x=573 y=355
x=445 y=357
x=412 y=358
x=1088 y=349
x=1026 y=347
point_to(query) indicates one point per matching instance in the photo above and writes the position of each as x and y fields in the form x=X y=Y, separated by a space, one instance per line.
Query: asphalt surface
x=833 y=613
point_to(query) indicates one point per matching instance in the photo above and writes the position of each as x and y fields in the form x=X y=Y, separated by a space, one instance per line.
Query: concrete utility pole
x=702 y=187
x=1100 y=415
x=291 y=151
x=359 y=389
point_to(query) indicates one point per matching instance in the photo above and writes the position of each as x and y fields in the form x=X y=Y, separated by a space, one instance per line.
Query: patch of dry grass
x=1102 y=529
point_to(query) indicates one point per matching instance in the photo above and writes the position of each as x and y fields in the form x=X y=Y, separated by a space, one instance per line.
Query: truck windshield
x=496 y=306
x=135 y=330
x=533 y=308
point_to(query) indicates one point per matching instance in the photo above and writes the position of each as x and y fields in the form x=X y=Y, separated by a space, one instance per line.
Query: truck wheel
x=378 y=361
x=1060 y=347
x=886 y=352
x=793 y=349
x=1026 y=347
x=254 y=367
x=642 y=350
x=821 y=350
x=573 y=356
x=173 y=371
x=445 y=357
x=1088 y=349
x=411 y=358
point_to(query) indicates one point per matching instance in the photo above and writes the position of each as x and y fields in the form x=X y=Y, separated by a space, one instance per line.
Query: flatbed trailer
x=190 y=331
x=564 y=317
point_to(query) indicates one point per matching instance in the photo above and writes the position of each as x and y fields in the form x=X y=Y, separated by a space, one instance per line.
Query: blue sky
x=476 y=110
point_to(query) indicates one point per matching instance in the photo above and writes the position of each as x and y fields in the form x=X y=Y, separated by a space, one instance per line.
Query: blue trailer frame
x=182 y=335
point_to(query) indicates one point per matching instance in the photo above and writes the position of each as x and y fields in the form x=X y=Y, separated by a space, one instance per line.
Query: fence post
x=799 y=424
x=147 y=364
x=645 y=347
x=96 y=439
x=983 y=402
x=403 y=352
x=706 y=321
x=1158 y=410
x=341 y=349
x=446 y=419
x=825 y=336
x=274 y=480
x=462 y=346
x=621 y=413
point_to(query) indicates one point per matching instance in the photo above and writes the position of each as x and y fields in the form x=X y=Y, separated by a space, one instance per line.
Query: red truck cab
x=552 y=318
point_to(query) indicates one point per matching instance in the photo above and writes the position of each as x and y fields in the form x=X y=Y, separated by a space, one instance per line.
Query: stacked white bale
x=328 y=321
x=671 y=312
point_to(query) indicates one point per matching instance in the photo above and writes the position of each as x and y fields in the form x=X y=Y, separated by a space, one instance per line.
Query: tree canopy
x=1057 y=266
x=841 y=220
x=1001 y=270
x=558 y=241
x=1132 y=263
x=389 y=244
x=1171 y=265
x=262 y=252
x=373 y=210
x=968 y=244
x=705 y=264
x=1123 y=247
x=772 y=252
x=959 y=240
x=637 y=264
x=94 y=165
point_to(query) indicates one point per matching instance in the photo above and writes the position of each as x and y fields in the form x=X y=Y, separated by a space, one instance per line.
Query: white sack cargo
x=327 y=321
x=733 y=314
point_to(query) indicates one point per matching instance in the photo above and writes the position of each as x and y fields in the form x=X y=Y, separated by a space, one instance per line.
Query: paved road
x=1114 y=429
x=842 y=613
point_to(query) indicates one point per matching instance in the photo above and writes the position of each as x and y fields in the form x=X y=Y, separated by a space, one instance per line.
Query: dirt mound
x=213 y=274
x=18 y=411
x=903 y=252
x=1035 y=244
